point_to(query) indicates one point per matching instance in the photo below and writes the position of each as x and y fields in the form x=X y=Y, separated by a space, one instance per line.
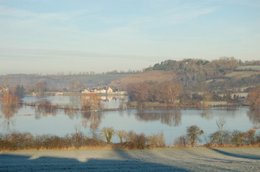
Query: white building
x=85 y=91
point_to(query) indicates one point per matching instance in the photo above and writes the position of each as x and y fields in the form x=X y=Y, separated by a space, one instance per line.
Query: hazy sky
x=50 y=36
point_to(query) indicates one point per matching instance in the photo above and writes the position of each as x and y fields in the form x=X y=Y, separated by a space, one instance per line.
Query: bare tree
x=108 y=133
x=122 y=135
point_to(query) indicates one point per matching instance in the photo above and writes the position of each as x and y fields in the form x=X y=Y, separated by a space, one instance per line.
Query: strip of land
x=161 y=159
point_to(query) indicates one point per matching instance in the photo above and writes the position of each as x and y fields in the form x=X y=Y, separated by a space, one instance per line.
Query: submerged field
x=108 y=159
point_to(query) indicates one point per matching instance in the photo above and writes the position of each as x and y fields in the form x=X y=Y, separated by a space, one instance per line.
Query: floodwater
x=172 y=123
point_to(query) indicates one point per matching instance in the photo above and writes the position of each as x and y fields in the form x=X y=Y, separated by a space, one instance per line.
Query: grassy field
x=163 y=159
x=242 y=74
x=249 y=67
x=148 y=76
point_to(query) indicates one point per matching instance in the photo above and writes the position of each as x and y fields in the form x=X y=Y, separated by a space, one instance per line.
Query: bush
x=140 y=141
x=52 y=142
x=78 y=139
x=249 y=136
x=237 y=138
x=136 y=140
x=181 y=141
x=226 y=137
x=156 y=140
x=16 y=141
x=193 y=133
x=215 y=138
x=220 y=138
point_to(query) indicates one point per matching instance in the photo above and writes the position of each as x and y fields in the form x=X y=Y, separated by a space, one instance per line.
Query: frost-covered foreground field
x=165 y=159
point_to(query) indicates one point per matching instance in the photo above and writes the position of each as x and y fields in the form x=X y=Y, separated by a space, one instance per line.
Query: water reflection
x=9 y=110
x=70 y=111
x=254 y=117
x=61 y=115
x=45 y=108
x=207 y=114
x=232 y=109
x=92 y=120
x=123 y=103
x=10 y=105
x=168 y=117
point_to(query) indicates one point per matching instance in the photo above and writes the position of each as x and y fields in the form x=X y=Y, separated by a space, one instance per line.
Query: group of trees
x=236 y=138
x=193 y=134
x=173 y=93
x=196 y=70
x=219 y=138
x=214 y=68
x=40 y=88
x=193 y=72
x=132 y=139
x=164 y=92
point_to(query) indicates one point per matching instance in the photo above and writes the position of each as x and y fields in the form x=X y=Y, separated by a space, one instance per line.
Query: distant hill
x=194 y=74
x=198 y=74
x=74 y=82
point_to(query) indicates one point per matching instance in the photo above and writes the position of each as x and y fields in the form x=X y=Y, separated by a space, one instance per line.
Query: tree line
x=192 y=72
x=166 y=92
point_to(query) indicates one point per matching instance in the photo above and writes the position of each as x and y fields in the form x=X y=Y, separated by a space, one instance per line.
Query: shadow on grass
x=11 y=162
x=245 y=156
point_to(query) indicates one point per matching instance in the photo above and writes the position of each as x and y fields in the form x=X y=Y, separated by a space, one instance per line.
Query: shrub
x=16 y=141
x=193 y=133
x=77 y=139
x=215 y=138
x=220 y=137
x=19 y=140
x=226 y=137
x=156 y=140
x=237 y=137
x=249 y=136
x=181 y=141
x=136 y=140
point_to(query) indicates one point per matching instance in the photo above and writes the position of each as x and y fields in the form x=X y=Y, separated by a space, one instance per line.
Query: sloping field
x=249 y=67
x=242 y=74
x=155 y=76
x=166 y=159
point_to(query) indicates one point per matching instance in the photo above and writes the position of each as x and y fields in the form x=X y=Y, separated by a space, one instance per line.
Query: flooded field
x=172 y=123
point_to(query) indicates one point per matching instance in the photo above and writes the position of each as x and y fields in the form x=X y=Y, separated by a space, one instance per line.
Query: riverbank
x=160 y=159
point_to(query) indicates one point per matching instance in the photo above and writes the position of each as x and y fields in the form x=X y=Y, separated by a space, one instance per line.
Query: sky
x=62 y=36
